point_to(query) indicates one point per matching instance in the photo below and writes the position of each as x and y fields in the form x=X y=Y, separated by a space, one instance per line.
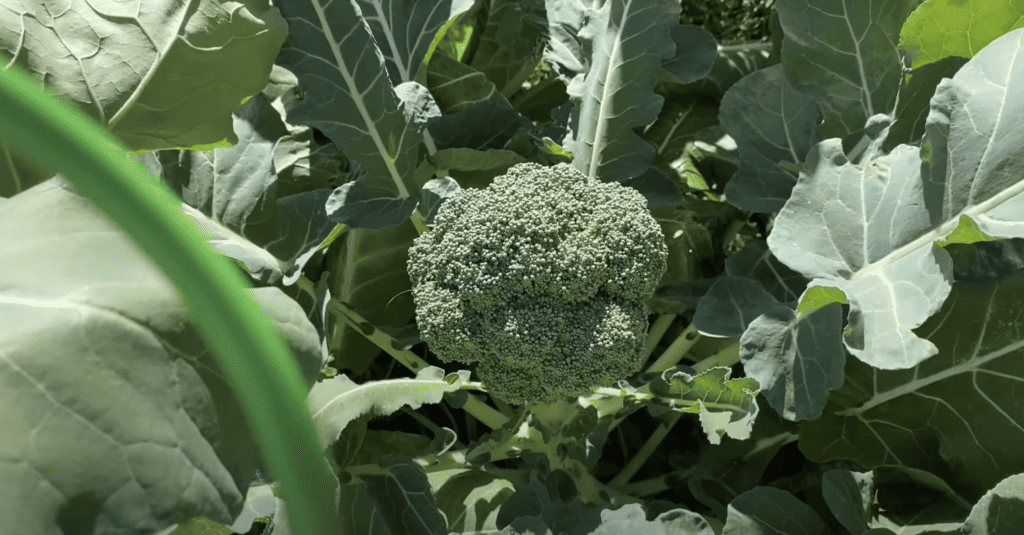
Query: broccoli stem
x=657 y=330
x=675 y=352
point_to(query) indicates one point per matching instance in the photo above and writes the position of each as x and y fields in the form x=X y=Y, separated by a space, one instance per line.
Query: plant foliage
x=835 y=345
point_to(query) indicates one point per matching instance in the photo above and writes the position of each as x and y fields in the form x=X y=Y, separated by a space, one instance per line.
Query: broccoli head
x=542 y=279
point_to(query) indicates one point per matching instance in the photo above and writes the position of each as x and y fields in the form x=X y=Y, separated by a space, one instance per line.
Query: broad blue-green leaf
x=404 y=29
x=470 y=499
x=975 y=129
x=736 y=61
x=795 y=358
x=609 y=53
x=771 y=510
x=403 y=500
x=1000 y=511
x=399 y=502
x=731 y=305
x=510 y=43
x=696 y=52
x=359 y=205
x=774 y=127
x=915 y=100
x=957 y=415
x=348 y=95
x=844 y=57
x=943 y=28
x=337 y=401
x=135 y=67
x=868 y=228
x=754 y=282
x=116 y=417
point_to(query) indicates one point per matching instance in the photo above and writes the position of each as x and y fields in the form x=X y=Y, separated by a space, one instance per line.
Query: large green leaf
x=869 y=228
x=775 y=127
x=117 y=418
x=234 y=193
x=509 y=45
x=958 y=414
x=157 y=73
x=609 y=55
x=348 y=95
x=368 y=272
x=856 y=71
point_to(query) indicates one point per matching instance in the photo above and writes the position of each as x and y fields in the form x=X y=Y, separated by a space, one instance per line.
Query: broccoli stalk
x=542 y=280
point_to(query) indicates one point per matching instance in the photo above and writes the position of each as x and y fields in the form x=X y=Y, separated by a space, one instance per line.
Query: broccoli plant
x=541 y=279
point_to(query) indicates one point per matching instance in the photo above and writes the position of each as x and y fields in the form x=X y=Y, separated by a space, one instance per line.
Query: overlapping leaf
x=958 y=415
x=854 y=73
x=233 y=196
x=868 y=228
x=348 y=95
x=116 y=417
x=609 y=54
x=336 y=402
x=136 y=67
x=937 y=30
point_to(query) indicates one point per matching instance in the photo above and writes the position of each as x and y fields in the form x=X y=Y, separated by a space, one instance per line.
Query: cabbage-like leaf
x=609 y=53
x=157 y=73
x=349 y=57
x=957 y=415
x=117 y=417
x=869 y=228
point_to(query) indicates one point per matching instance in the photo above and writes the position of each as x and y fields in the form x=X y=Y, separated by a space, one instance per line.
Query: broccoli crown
x=542 y=279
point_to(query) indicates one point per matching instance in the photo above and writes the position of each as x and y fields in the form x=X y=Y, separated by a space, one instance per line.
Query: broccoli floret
x=541 y=278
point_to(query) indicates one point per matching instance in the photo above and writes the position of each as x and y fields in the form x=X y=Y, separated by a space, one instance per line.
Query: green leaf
x=404 y=501
x=335 y=58
x=145 y=86
x=956 y=414
x=610 y=59
x=471 y=499
x=367 y=271
x=774 y=126
x=943 y=28
x=771 y=510
x=724 y=405
x=337 y=401
x=507 y=51
x=855 y=72
x=838 y=228
x=231 y=197
x=111 y=393
x=253 y=357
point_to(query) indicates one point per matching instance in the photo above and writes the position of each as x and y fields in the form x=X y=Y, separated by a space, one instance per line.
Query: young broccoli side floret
x=542 y=278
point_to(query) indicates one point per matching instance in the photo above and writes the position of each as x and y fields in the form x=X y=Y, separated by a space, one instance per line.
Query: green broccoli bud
x=542 y=279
